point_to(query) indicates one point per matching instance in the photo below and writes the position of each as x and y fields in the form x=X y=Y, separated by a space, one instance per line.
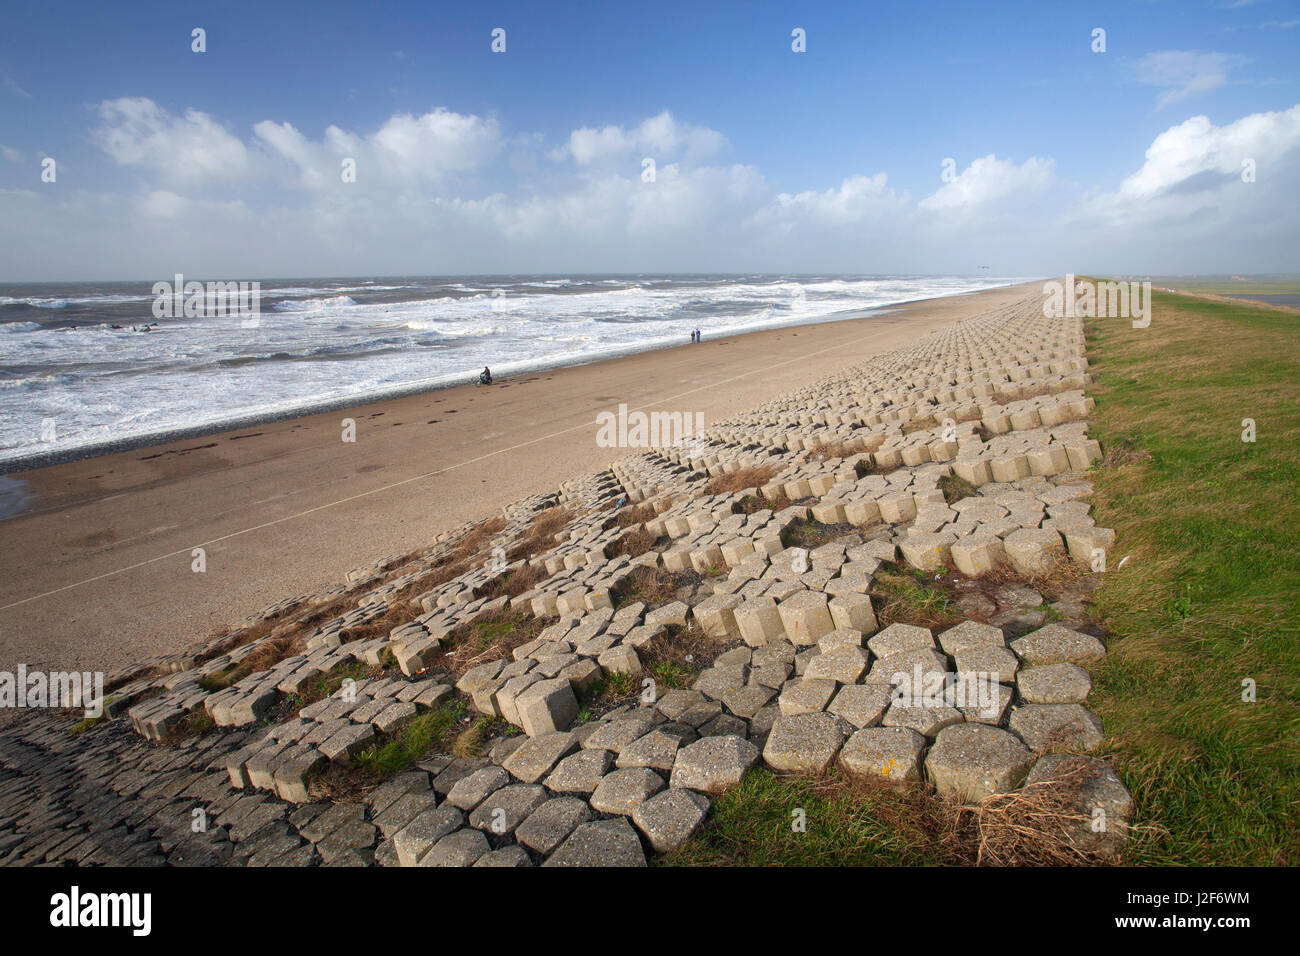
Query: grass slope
x=1210 y=595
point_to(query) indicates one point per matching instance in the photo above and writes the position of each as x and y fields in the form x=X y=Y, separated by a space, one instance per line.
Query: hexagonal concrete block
x=1054 y=684
x=862 y=705
x=853 y=611
x=803 y=742
x=843 y=664
x=759 y=622
x=1057 y=644
x=805 y=617
x=972 y=761
x=977 y=554
x=547 y=706
x=891 y=754
x=927 y=551
x=898 y=638
x=1047 y=727
x=712 y=764
x=1034 y=551
x=970 y=634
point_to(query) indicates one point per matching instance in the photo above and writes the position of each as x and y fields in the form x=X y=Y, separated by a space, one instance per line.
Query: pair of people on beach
x=695 y=336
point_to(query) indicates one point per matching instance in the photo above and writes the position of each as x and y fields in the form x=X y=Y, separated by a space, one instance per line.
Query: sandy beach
x=96 y=571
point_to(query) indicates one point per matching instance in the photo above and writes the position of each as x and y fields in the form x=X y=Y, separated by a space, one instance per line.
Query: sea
x=79 y=375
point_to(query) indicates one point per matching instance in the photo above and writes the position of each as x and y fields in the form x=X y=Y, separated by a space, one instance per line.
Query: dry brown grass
x=471 y=742
x=955 y=488
x=473 y=541
x=864 y=821
x=1124 y=452
x=488 y=637
x=1020 y=394
x=753 y=477
x=633 y=544
x=678 y=653
x=541 y=533
x=654 y=586
x=839 y=449
x=637 y=515
x=919 y=424
x=1043 y=824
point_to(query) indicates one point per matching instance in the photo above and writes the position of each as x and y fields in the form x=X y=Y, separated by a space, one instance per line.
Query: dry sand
x=97 y=571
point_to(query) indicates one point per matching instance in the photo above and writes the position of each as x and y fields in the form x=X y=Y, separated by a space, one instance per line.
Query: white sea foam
x=322 y=344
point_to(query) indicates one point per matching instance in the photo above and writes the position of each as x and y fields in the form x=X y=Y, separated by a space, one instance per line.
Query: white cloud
x=859 y=199
x=436 y=144
x=406 y=149
x=660 y=137
x=420 y=205
x=1197 y=156
x=989 y=181
x=1188 y=204
x=11 y=154
x=1184 y=73
x=189 y=149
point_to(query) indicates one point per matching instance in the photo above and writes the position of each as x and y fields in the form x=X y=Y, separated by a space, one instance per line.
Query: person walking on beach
x=485 y=376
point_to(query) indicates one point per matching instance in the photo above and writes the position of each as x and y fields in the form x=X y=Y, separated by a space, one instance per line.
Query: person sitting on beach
x=485 y=377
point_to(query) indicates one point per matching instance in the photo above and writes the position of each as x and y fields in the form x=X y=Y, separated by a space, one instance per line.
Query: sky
x=370 y=138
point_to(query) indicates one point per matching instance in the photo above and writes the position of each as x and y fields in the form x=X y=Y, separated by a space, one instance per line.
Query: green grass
x=846 y=823
x=433 y=730
x=910 y=597
x=1210 y=596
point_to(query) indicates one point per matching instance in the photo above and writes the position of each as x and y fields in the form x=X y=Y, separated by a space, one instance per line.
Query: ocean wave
x=313 y=305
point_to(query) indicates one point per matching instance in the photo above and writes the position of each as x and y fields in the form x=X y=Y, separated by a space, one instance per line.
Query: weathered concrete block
x=712 y=764
x=1051 y=460
x=1083 y=542
x=805 y=743
x=863 y=512
x=1009 y=467
x=976 y=554
x=853 y=611
x=897 y=508
x=1047 y=727
x=892 y=754
x=805 y=617
x=1034 y=551
x=547 y=706
x=927 y=551
x=972 y=761
x=759 y=621
x=1056 y=644
x=716 y=614
x=974 y=470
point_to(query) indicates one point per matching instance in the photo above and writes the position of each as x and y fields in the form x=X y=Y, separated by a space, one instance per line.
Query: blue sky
x=224 y=162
